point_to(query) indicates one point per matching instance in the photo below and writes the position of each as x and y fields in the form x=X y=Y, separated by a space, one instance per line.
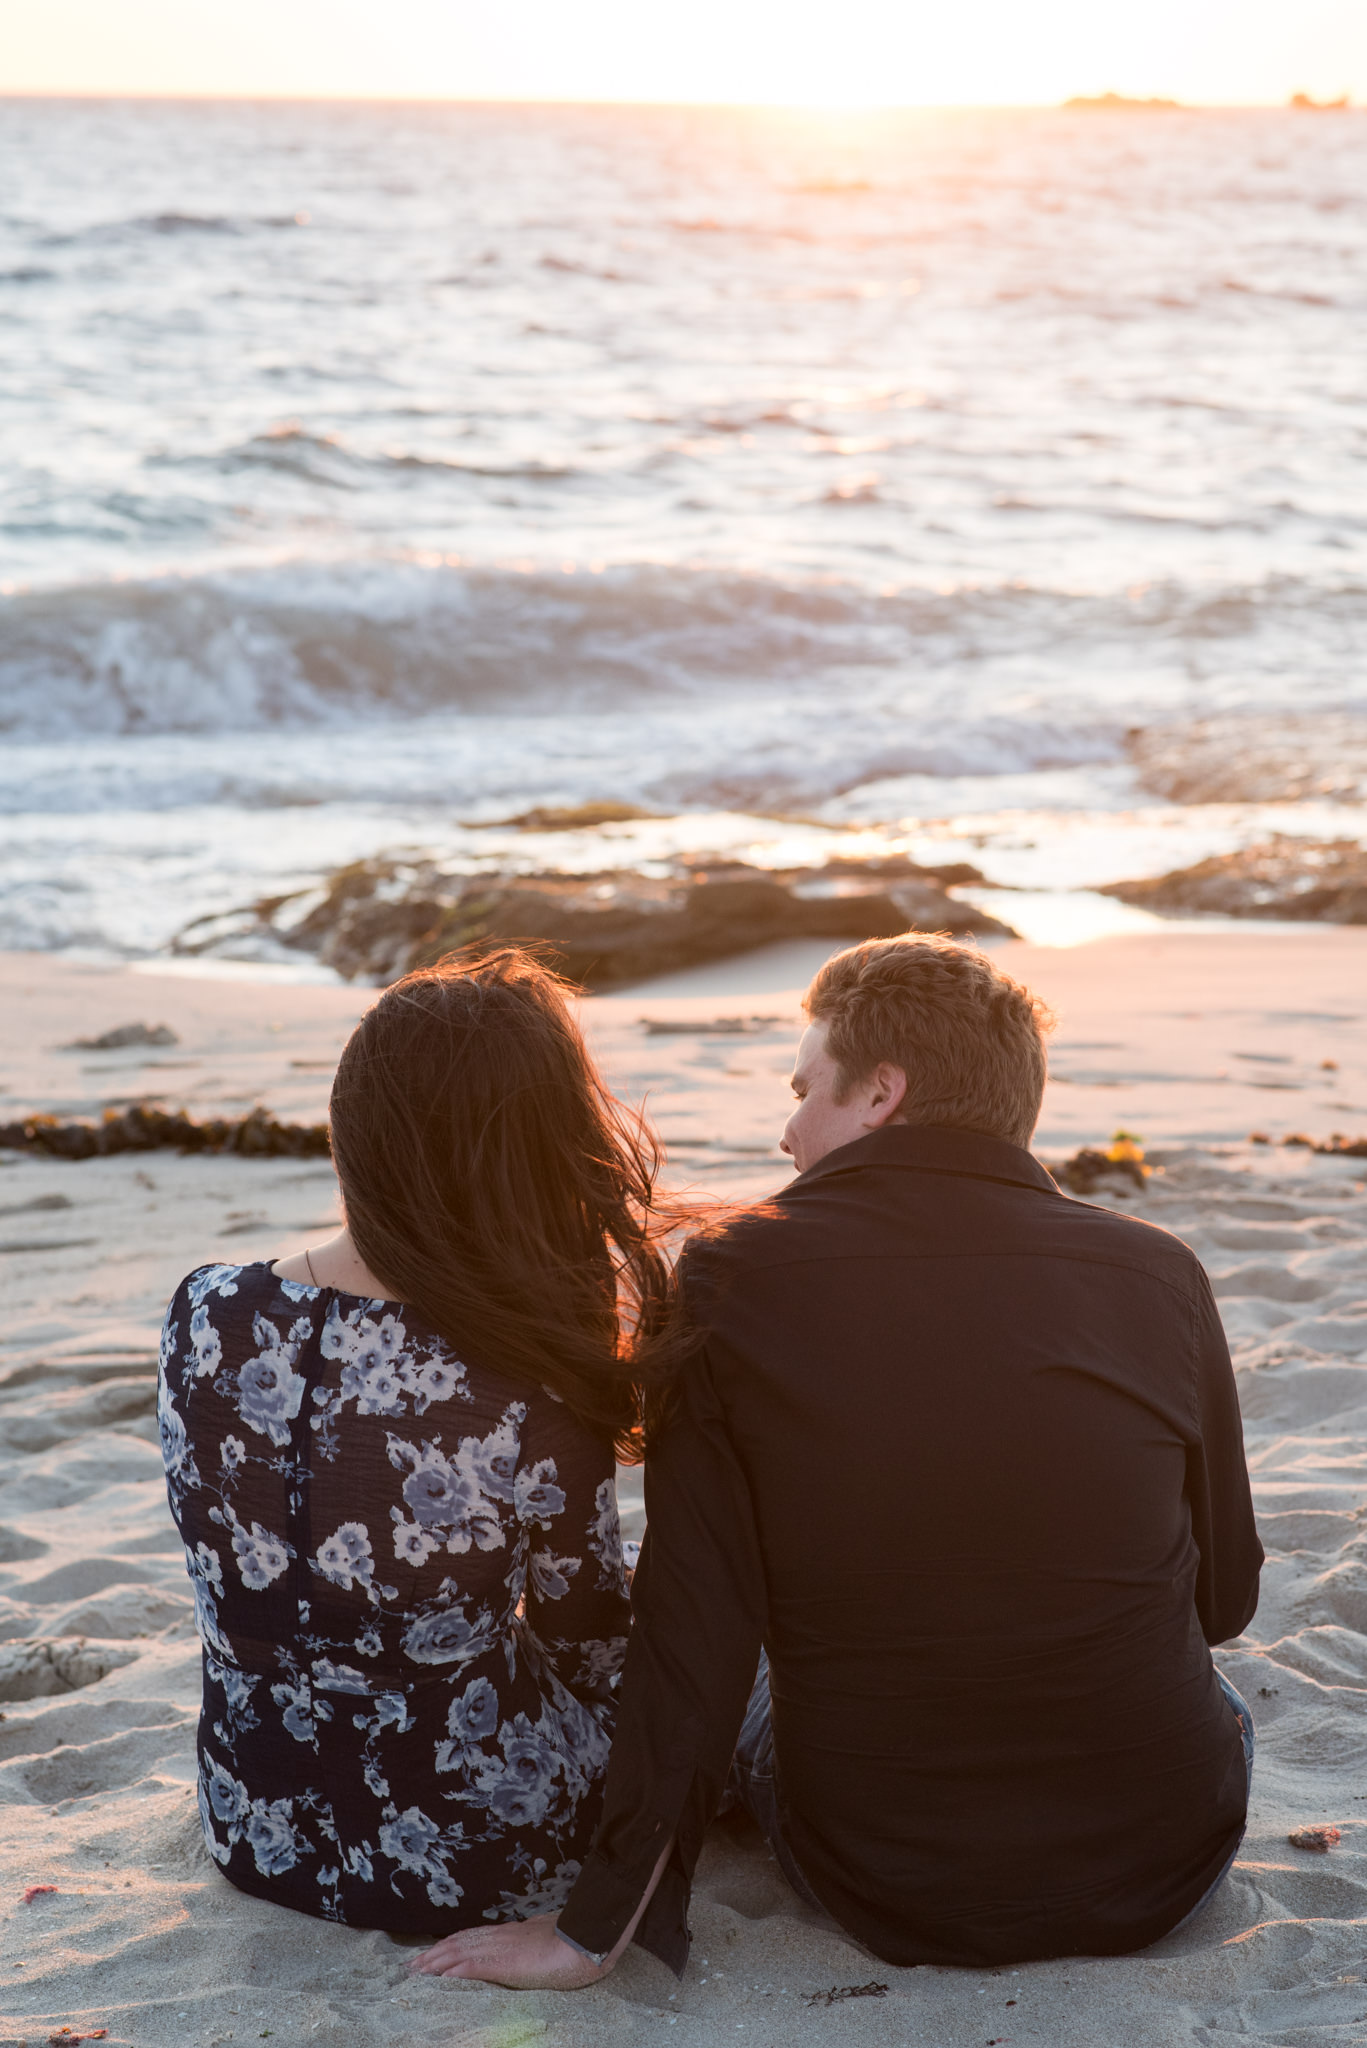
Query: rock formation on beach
x=377 y=919
x=1278 y=757
x=148 y=1127
x=1285 y=877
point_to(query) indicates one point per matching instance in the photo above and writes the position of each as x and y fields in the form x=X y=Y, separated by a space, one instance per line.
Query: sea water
x=374 y=472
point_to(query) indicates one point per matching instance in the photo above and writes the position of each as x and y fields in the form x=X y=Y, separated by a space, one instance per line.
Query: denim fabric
x=753 y=1784
x=1243 y=1714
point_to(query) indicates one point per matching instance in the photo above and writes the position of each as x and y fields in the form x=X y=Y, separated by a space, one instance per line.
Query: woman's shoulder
x=228 y=1293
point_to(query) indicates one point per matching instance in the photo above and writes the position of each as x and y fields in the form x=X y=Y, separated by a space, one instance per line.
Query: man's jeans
x=753 y=1784
x=1243 y=1714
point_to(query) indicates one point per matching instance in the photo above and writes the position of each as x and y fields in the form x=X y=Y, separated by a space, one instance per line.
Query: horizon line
x=1124 y=102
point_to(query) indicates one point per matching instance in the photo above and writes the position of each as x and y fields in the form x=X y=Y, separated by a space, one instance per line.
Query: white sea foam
x=1046 y=676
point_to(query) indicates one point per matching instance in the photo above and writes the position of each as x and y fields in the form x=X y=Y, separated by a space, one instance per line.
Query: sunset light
x=683 y=835
x=761 y=52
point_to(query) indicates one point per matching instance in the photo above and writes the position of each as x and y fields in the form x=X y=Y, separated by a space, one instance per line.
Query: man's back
x=992 y=1446
x=967 y=1455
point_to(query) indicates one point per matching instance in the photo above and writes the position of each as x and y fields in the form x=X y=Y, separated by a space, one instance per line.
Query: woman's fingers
x=523 y=1955
x=438 y=1960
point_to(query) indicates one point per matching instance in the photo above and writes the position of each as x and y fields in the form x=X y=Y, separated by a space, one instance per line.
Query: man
x=964 y=1456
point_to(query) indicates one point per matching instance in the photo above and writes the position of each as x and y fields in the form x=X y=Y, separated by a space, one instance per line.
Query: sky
x=805 y=52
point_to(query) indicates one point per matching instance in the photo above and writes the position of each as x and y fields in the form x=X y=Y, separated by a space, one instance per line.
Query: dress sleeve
x=578 y=1611
x=1221 y=1500
x=698 y=1617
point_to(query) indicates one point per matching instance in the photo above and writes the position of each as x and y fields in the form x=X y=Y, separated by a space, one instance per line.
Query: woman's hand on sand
x=524 y=1955
x=528 y=1955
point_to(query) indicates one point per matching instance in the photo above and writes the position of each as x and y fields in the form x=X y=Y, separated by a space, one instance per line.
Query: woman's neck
x=334 y=1263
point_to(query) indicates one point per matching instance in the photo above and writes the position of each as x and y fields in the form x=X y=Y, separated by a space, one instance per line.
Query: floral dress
x=409 y=1587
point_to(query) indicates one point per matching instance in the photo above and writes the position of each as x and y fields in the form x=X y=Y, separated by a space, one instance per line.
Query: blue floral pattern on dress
x=409 y=1588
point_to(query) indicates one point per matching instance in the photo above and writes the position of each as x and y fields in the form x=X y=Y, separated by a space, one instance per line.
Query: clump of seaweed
x=122 y=1036
x=838 y=1992
x=1335 y=1146
x=1121 y=1162
x=1318 y=1840
x=145 y=1127
x=574 y=817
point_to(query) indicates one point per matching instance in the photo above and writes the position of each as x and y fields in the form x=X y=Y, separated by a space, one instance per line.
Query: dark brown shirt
x=966 y=1456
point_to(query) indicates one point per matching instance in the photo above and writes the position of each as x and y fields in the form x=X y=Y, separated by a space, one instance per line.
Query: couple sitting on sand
x=945 y=1480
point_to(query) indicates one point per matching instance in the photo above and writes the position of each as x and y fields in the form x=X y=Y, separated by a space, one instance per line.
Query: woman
x=391 y=1461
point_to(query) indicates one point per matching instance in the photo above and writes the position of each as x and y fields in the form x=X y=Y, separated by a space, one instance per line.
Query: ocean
x=957 y=482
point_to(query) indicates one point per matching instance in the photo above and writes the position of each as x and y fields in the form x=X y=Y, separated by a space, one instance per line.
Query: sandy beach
x=1192 y=1038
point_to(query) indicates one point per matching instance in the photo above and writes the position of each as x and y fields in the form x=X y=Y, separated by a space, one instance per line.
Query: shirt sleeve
x=577 y=1611
x=1218 y=1490
x=698 y=1617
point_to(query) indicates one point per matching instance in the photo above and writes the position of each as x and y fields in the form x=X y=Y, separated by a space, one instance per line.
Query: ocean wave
x=295 y=642
x=1243 y=289
x=298 y=642
x=423 y=774
x=1114 y=512
x=328 y=460
x=318 y=458
x=186 y=224
x=775 y=231
x=569 y=268
x=173 y=223
x=809 y=766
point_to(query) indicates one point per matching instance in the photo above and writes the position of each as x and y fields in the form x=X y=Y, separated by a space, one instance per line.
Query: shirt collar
x=935 y=1148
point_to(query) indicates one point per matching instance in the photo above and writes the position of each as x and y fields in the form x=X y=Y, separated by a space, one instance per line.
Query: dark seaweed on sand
x=838 y=1992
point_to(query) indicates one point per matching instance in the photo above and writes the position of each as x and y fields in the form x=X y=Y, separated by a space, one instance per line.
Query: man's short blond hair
x=969 y=1039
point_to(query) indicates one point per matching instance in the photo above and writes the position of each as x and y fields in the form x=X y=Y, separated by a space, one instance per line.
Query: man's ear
x=887 y=1093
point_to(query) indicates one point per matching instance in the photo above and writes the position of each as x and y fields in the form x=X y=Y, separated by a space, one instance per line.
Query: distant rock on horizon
x=1114 y=102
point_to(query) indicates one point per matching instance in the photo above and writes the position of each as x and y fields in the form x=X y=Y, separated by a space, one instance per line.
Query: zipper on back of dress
x=310 y=1366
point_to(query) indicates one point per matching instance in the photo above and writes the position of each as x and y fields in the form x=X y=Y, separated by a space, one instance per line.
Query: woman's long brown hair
x=491 y=1181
